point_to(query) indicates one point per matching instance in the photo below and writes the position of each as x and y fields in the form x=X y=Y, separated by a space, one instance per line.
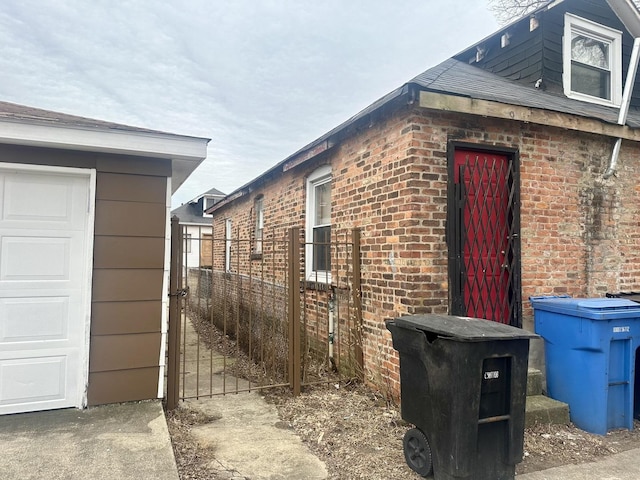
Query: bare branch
x=507 y=10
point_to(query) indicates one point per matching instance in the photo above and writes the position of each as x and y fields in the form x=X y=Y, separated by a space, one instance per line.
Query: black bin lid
x=464 y=329
x=633 y=296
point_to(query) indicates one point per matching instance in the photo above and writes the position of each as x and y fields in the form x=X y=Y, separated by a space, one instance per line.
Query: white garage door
x=46 y=216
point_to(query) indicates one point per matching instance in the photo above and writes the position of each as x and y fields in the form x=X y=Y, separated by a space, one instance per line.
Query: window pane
x=321 y=249
x=259 y=225
x=209 y=202
x=323 y=204
x=590 y=81
x=590 y=51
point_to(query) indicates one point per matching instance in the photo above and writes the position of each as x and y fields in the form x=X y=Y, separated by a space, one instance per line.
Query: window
x=187 y=243
x=227 y=245
x=318 y=231
x=259 y=209
x=207 y=203
x=592 y=62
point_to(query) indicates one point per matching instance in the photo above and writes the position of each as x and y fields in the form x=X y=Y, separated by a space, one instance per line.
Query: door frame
x=80 y=396
x=455 y=287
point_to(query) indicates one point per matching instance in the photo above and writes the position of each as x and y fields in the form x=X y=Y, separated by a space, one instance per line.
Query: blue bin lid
x=592 y=308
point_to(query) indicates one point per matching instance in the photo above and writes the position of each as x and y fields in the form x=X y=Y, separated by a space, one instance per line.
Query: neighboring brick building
x=475 y=185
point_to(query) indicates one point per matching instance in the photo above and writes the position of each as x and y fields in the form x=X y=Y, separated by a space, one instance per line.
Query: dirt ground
x=359 y=436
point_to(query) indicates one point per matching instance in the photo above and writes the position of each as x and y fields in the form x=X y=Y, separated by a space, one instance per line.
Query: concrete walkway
x=113 y=442
x=246 y=435
x=249 y=439
x=621 y=466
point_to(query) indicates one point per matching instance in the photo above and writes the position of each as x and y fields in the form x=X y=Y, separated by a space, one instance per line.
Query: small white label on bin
x=620 y=329
x=491 y=375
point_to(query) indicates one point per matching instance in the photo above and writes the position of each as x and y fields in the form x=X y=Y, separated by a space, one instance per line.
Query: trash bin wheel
x=417 y=452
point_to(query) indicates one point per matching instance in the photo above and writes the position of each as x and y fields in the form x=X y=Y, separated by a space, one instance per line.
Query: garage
x=84 y=262
x=45 y=243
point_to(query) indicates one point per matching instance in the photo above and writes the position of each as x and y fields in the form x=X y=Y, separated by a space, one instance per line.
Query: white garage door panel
x=48 y=319
x=28 y=381
x=34 y=258
x=44 y=285
x=54 y=201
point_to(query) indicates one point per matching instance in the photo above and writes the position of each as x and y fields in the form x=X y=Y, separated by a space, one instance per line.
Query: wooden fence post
x=173 y=341
x=295 y=374
x=357 y=300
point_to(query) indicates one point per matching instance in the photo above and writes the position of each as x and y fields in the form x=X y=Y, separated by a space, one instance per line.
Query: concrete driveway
x=119 y=442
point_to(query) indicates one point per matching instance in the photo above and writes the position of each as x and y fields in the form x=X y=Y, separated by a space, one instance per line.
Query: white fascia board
x=193 y=224
x=185 y=153
x=628 y=14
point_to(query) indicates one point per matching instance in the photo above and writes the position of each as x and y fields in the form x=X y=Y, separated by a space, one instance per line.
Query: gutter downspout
x=624 y=107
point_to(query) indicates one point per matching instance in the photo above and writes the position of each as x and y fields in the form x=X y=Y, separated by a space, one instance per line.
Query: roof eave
x=185 y=152
x=317 y=147
x=451 y=102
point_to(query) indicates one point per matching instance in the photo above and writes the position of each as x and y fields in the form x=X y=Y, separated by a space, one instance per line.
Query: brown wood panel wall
x=128 y=268
x=128 y=252
x=116 y=385
x=124 y=352
x=121 y=318
x=127 y=282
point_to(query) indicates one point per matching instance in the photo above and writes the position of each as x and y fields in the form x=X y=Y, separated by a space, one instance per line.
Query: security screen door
x=483 y=235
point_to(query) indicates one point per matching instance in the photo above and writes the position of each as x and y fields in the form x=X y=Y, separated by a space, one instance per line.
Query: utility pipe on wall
x=624 y=107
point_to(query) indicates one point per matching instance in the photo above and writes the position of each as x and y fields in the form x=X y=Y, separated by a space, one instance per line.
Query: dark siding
x=538 y=54
x=521 y=60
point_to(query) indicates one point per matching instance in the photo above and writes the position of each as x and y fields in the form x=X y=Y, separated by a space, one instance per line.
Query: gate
x=483 y=239
x=245 y=320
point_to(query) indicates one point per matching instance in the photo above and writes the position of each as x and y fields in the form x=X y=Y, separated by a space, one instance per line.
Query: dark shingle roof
x=189 y=213
x=458 y=78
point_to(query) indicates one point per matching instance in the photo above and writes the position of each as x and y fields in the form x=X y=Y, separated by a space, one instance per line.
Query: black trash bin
x=463 y=385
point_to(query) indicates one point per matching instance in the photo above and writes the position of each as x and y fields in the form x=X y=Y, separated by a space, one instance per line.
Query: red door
x=483 y=181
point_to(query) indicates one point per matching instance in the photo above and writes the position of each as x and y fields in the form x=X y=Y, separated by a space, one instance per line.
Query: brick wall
x=579 y=233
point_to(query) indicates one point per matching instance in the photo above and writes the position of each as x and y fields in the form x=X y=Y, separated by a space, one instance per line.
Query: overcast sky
x=261 y=78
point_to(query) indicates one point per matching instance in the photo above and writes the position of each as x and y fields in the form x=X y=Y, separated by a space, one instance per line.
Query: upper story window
x=208 y=202
x=318 y=227
x=592 y=69
x=258 y=207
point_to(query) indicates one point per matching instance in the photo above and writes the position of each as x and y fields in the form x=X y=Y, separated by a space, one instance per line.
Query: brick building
x=504 y=172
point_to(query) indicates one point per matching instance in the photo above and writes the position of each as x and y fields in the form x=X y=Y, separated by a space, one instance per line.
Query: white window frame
x=205 y=200
x=228 y=228
x=318 y=177
x=187 y=244
x=259 y=227
x=573 y=23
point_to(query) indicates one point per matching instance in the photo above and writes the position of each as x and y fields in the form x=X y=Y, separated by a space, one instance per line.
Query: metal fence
x=247 y=317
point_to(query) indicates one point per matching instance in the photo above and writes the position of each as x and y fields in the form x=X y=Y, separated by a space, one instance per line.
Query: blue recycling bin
x=590 y=350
